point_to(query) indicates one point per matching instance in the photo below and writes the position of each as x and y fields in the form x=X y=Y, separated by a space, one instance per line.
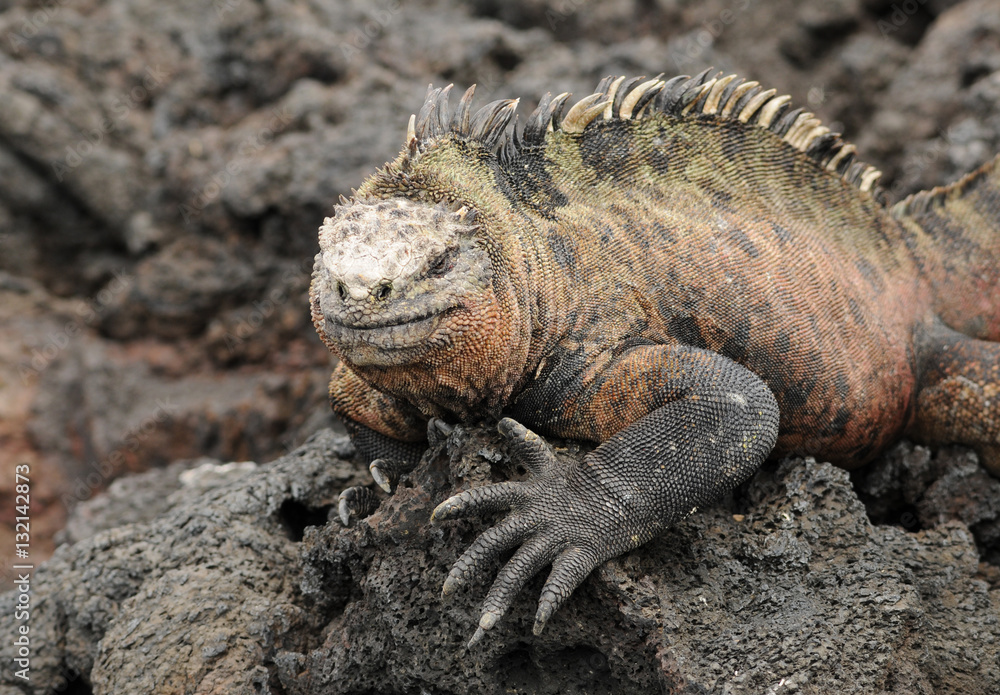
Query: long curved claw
x=437 y=431
x=477 y=560
x=525 y=564
x=568 y=572
x=477 y=637
x=490 y=498
x=356 y=503
x=386 y=473
x=527 y=447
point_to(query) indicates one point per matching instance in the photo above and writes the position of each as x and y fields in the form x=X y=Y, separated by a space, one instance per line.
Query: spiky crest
x=724 y=97
x=924 y=201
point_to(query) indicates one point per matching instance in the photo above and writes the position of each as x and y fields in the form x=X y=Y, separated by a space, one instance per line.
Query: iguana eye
x=441 y=266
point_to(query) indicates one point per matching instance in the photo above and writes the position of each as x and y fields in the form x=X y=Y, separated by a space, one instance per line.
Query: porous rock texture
x=164 y=168
x=236 y=583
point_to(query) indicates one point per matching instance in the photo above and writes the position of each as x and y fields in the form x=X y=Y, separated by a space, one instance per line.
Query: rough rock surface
x=196 y=593
x=235 y=583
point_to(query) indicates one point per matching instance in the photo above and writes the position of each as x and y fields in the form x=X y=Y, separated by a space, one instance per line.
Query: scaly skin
x=689 y=274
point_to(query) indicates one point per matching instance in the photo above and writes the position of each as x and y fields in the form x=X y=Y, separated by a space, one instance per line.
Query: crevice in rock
x=573 y=669
x=74 y=232
x=296 y=517
x=77 y=686
x=905 y=22
x=903 y=515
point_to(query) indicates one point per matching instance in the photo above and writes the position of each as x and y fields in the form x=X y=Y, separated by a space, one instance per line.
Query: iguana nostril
x=382 y=292
x=342 y=291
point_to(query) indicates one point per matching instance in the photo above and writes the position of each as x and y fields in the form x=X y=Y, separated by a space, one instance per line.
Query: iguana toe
x=479 y=500
x=386 y=473
x=529 y=559
x=568 y=572
x=437 y=431
x=484 y=553
x=528 y=448
x=356 y=503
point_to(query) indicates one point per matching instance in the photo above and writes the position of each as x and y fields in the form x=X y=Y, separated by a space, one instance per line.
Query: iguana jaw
x=390 y=326
x=395 y=341
x=393 y=279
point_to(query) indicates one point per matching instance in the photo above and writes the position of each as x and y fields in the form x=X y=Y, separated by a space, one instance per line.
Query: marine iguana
x=688 y=272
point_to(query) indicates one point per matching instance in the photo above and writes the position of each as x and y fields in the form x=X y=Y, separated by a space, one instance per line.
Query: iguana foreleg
x=388 y=434
x=708 y=424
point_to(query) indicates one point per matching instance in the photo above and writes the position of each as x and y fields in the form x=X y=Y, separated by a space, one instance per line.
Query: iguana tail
x=961 y=227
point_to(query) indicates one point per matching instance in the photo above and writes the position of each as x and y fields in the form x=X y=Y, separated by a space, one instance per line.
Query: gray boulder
x=238 y=583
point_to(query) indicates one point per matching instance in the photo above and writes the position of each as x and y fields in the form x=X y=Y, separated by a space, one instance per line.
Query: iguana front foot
x=399 y=459
x=561 y=516
x=387 y=472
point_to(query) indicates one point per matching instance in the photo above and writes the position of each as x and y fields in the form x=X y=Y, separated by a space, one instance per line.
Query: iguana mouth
x=390 y=333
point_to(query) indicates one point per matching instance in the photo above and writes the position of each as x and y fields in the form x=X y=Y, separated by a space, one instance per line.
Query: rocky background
x=163 y=170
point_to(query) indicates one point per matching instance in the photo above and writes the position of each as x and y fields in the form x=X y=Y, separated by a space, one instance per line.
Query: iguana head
x=395 y=280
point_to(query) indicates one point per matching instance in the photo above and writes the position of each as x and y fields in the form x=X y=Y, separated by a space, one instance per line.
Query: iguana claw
x=356 y=503
x=437 y=431
x=386 y=473
x=551 y=518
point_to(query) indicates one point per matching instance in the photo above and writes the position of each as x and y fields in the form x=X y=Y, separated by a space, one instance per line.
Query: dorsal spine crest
x=726 y=98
